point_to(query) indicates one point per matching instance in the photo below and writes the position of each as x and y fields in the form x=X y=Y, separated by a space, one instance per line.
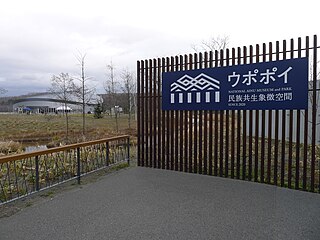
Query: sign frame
x=273 y=85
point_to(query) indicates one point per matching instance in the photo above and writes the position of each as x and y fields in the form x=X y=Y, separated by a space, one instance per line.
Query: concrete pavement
x=144 y=203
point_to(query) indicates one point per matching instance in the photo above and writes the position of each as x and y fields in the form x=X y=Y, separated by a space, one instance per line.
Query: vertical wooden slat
x=210 y=142
x=290 y=128
x=146 y=109
x=227 y=128
x=221 y=155
x=168 y=125
x=215 y=161
x=182 y=126
x=200 y=142
x=250 y=126
x=205 y=143
x=168 y=138
x=205 y=129
x=159 y=114
x=216 y=126
x=177 y=127
x=195 y=127
x=210 y=124
x=171 y=124
x=250 y=153
x=270 y=127
x=190 y=142
x=238 y=127
x=276 y=149
x=238 y=143
x=163 y=126
x=283 y=134
x=200 y=166
x=190 y=125
x=305 y=141
x=155 y=112
x=186 y=127
x=244 y=132
x=314 y=109
x=257 y=137
x=181 y=139
x=263 y=126
x=297 y=177
x=233 y=128
x=314 y=113
x=172 y=127
x=290 y=148
x=149 y=107
x=276 y=129
x=297 y=173
x=142 y=115
x=139 y=113
x=221 y=140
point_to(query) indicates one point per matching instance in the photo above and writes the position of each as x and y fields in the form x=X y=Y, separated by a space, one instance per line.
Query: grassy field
x=51 y=129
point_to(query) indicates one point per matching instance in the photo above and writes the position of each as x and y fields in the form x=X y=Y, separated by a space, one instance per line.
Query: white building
x=48 y=103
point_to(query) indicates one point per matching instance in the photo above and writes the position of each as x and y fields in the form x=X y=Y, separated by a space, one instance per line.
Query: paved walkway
x=142 y=203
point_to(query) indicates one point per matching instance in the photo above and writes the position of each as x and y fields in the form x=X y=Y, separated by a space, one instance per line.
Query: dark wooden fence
x=268 y=146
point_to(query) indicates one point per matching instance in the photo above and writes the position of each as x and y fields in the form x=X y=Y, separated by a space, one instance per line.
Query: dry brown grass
x=50 y=129
x=10 y=147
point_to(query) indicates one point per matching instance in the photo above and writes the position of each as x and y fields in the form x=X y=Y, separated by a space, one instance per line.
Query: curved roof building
x=48 y=103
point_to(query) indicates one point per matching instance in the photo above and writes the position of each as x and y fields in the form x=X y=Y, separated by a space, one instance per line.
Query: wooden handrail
x=59 y=149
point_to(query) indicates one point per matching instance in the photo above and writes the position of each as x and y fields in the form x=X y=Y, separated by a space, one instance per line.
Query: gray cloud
x=37 y=46
x=40 y=40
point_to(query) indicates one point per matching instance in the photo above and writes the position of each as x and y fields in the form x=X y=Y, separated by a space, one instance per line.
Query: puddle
x=35 y=148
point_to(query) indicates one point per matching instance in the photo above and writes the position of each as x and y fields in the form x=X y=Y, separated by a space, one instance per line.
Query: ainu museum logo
x=270 y=85
x=202 y=88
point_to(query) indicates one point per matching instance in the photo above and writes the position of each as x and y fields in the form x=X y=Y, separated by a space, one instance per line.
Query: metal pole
x=128 y=151
x=37 y=174
x=107 y=153
x=78 y=165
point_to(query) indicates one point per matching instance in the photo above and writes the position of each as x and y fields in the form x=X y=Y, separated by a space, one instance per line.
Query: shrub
x=10 y=147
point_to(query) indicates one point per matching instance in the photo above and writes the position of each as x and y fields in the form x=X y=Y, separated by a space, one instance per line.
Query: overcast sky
x=42 y=38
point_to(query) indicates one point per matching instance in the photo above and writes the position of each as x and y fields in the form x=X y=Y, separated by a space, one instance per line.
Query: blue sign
x=259 y=86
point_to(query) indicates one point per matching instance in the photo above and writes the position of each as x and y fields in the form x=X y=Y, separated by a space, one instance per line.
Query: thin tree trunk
x=116 y=115
x=83 y=101
x=129 y=108
x=67 y=122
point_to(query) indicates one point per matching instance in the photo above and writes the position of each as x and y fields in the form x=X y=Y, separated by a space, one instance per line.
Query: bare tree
x=110 y=88
x=129 y=89
x=62 y=87
x=213 y=44
x=316 y=92
x=311 y=79
x=83 y=91
x=311 y=101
